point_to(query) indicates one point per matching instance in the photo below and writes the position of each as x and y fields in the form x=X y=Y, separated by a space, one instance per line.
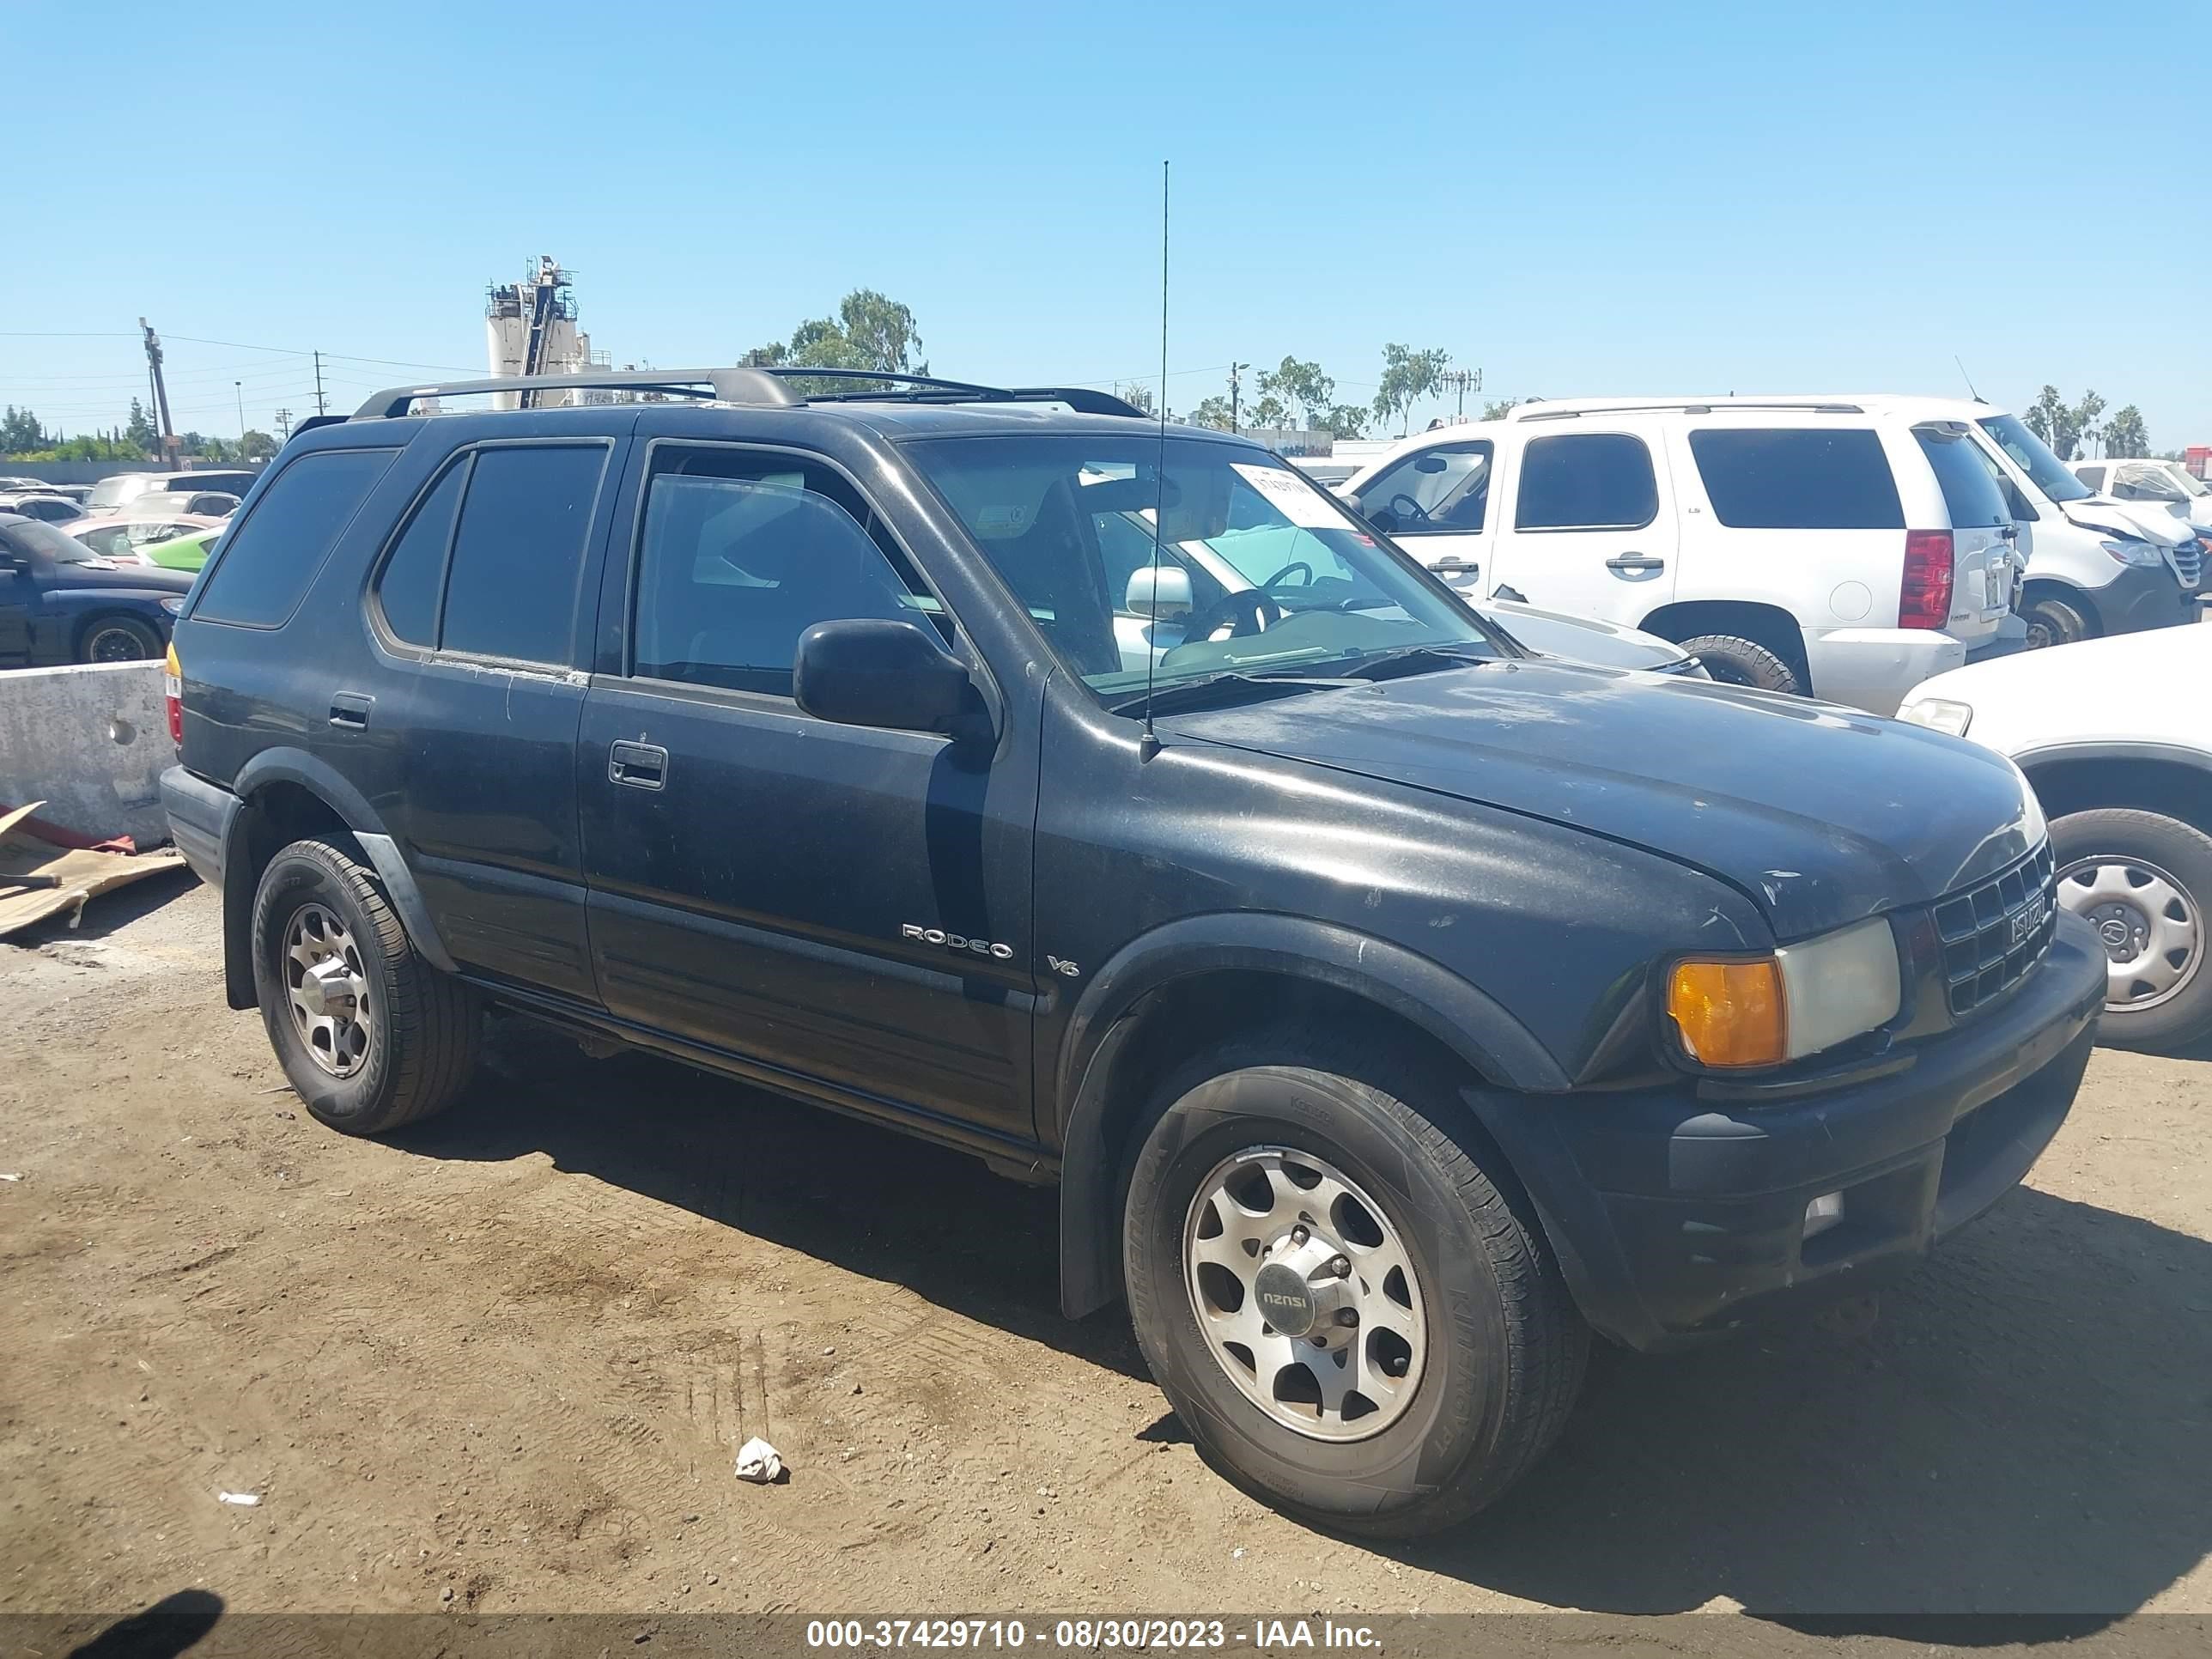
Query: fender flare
x=321 y=779
x=2129 y=748
x=1399 y=981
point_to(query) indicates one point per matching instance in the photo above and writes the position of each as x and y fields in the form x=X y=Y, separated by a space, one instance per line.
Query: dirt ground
x=503 y=1363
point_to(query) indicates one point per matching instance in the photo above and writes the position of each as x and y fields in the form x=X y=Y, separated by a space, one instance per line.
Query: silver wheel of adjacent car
x=327 y=990
x=1305 y=1294
x=2152 y=935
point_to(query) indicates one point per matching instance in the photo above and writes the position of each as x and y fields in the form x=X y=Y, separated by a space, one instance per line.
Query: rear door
x=1586 y=519
x=476 y=609
x=1435 y=503
x=831 y=902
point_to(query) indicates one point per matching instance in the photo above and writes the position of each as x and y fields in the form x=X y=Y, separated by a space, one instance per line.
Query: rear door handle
x=640 y=765
x=350 y=710
x=1635 y=563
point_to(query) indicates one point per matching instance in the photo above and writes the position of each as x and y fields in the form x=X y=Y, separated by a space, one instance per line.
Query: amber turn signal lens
x=1729 y=1013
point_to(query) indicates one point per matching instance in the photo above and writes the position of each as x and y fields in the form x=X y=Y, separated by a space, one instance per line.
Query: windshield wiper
x=1418 y=660
x=1216 y=691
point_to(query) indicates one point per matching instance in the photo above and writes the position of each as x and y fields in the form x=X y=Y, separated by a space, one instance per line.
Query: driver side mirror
x=868 y=671
x=1160 y=591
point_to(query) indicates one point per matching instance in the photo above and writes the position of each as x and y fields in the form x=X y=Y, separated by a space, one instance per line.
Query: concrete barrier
x=90 y=741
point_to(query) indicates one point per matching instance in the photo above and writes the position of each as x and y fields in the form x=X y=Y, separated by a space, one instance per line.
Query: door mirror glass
x=867 y=671
x=1160 y=592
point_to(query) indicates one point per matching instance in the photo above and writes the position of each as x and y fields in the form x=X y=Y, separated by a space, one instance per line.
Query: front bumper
x=1679 y=1212
x=1873 y=668
x=2142 y=596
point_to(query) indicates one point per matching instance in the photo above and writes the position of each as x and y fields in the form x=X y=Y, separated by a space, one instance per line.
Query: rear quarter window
x=1797 y=479
x=268 y=562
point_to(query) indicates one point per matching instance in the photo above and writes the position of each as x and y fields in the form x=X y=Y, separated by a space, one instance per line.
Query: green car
x=183 y=552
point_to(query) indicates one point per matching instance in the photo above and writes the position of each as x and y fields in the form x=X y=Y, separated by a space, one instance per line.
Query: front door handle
x=1634 y=563
x=640 y=765
x=350 y=710
x=1454 y=566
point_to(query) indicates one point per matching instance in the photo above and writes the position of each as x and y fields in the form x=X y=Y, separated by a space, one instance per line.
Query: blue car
x=60 y=603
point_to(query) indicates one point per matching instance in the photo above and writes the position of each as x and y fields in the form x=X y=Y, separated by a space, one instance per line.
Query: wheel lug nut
x=1341 y=1267
x=1318 y=1341
x=1347 y=1316
x=1299 y=1235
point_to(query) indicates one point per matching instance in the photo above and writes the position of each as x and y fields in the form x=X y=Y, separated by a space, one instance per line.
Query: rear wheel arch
x=289 y=795
x=1187 y=987
x=1766 y=625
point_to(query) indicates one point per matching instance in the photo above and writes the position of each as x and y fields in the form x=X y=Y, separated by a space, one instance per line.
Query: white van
x=2168 y=483
x=2095 y=566
x=1835 y=547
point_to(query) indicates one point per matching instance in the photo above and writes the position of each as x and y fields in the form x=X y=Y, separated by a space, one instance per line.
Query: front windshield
x=2190 y=485
x=36 y=536
x=2033 y=457
x=1260 y=571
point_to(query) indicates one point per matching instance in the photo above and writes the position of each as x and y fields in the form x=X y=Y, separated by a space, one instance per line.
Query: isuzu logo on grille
x=2029 y=917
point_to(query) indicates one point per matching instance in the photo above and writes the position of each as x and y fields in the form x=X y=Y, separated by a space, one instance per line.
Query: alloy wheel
x=2147 y=922
x=327 y=990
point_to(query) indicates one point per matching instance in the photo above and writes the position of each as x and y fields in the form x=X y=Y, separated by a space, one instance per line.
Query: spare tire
x=1733 y=660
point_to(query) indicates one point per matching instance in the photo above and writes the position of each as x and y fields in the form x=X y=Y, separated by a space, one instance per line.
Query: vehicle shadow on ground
x=869 y=1199
x=2026 y=1428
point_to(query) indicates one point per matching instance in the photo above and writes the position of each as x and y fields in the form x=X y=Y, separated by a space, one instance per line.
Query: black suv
x=1393 y=1008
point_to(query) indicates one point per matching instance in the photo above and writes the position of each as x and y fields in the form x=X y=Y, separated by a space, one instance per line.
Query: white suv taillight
x=173 y=695
x=1924 y=599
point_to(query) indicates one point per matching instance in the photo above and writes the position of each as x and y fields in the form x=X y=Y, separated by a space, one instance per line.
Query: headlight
x=2131 y=551
x=174 y=607
x=1801 y=1000
x=1938 y=715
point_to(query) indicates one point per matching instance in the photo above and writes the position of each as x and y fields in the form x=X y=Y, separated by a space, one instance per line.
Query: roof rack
x=763 y=386
x=1685 y=406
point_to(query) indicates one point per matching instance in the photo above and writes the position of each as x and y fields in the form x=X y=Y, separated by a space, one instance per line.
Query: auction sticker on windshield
x=1291 y=496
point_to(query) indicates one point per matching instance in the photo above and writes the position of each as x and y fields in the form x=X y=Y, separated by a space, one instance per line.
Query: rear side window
x=1797 y=479
x=268 y=562
x=414 y=574
x=1970 y=494
x=518 y=552
x=1586 y=480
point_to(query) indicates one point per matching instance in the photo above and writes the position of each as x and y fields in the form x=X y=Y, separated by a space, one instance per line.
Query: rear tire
x=2053 y=622
x=1733 y=660
x=380 y=1038
x=2144 y=881
x=1491 y=1347
x=118 y=638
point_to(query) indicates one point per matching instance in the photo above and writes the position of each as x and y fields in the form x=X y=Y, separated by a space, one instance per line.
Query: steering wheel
x=1295 y=564
x=1408 y=510
x=1250 y=610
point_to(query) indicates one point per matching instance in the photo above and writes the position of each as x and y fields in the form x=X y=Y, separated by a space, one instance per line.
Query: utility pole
x=1463 y=381
x=238 y=387
x=283 y=426
x=1235 y=390
x=160 y=393
x=320 y=408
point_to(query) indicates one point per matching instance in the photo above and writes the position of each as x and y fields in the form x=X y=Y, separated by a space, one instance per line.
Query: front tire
x=2143 y=880
x=118 y=639
x=1435 y=1353
x=371 y=1035
x=2053 y=622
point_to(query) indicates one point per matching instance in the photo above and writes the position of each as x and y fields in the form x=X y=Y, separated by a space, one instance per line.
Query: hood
x=2147 y=521
x=142 y=578
x=1822 y=815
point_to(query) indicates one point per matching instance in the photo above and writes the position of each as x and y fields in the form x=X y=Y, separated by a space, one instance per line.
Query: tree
x=1496 y=409
x=1138 y=397
x=255 y=445
x=1213 y=412
x=1293 y=385
x=2086 y=430
x=138 y=431
x=1408 y=376
x=2066 y=427
x=1346 y=421
x=20 y=433
x=2124 y=437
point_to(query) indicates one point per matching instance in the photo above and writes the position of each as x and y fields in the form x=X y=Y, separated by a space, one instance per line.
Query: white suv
x=1841 y=547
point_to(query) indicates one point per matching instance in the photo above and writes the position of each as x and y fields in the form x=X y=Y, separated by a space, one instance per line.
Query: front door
x=17 y=592
x=1586 y=520
x=828 y=902
x=1435 y=503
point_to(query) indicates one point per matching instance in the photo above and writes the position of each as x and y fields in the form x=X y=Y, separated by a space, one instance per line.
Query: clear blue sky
x=1578 y=199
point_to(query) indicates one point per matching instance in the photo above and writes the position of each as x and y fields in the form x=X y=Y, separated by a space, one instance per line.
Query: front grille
x=2189 y=562
x=1992 y=934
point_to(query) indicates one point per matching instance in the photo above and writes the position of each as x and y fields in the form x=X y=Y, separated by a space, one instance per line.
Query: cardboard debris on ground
x=41 y=877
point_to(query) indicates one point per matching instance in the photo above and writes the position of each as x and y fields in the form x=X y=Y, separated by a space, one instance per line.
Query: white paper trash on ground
x=243 y=1500
x=758 y=1461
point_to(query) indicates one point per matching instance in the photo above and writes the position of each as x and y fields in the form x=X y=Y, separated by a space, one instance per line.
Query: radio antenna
x=1967 y=378
x=1149 y=744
